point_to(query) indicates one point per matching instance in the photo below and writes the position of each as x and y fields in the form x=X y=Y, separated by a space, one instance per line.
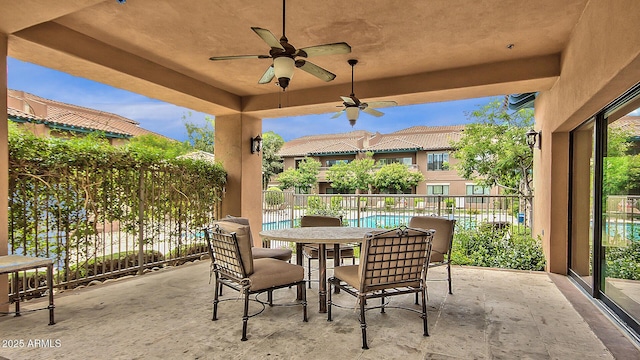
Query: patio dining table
x=321 y=235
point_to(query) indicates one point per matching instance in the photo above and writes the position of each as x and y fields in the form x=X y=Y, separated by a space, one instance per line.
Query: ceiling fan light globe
x=352 y=113
x=283 y=67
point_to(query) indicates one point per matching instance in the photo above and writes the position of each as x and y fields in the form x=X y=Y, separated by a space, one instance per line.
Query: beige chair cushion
x=276 y=253
x=272 y=272
x=238 y=220
x=441 y=239
x=243 y=234
x=319 y=220
x=259 y=252
x=349 y=274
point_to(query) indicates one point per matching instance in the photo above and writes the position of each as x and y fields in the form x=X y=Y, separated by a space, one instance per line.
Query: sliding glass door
x=605 y=207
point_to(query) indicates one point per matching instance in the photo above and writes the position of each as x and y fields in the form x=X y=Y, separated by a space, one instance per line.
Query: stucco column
x=243 y=192
x=4 y=172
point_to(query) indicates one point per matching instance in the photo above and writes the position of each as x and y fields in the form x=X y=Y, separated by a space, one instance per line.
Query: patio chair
x=392 y=262
x=310 y=251
x=234 y=267
x=259 y=252
x=442 y=240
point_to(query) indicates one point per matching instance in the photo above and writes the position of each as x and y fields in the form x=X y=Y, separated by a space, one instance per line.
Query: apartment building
x=422 y=148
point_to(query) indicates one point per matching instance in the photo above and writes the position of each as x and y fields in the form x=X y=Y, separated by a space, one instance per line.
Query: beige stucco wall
x=600 y=63
x=243 y=192
x=4 y=172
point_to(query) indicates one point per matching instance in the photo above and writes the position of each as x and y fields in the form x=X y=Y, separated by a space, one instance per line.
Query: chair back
x=395 y=258
x=320 y=220
x=238 y=220
x=225 y=254
x=443 y=237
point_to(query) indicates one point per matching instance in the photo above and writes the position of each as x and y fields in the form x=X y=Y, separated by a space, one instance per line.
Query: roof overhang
x=422 y=51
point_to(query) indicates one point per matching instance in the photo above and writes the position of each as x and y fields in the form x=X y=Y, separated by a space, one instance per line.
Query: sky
x=168 y=119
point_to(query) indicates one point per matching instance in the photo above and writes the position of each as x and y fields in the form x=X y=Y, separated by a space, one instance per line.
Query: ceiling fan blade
x=381 y=104
x=267 y=76
x=336 y=115
x=268 y=37
x=315 y=70
x=326 y=49
x=235 y=57
x=371 y=111
x=348 y=100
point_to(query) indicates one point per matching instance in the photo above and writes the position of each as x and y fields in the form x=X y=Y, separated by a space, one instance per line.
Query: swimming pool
x=367 y=221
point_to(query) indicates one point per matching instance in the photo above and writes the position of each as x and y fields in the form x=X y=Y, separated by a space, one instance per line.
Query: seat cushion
x=243 y=235
x=280 y=254
x=311 y=251
x=320 y=220
x=270 y=272
x=349 y=274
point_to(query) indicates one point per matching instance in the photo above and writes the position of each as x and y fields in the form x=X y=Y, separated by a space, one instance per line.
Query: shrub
x=489 y=246
x=274 y=197
x=449 y=205
x=623 y=262
x=336 y=203
x=315 y=206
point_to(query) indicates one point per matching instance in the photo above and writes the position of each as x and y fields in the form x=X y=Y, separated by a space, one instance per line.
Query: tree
x=493 y=150
x=621 y=169
x=201 y=137
x=302 y=178
x=271 y=161
x=396 y=176
x=355 y=176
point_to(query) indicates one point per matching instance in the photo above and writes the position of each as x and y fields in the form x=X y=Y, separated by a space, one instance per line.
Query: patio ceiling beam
x=499 y=78
x=67 y=50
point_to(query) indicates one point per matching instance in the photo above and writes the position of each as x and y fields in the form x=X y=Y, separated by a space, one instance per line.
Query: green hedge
x=489 y=246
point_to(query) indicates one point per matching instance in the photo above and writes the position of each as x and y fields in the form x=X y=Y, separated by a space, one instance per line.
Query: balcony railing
x=386 y=210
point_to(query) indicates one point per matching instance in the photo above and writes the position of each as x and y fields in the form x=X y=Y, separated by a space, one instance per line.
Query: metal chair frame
x=227 y=265
x=402 y=252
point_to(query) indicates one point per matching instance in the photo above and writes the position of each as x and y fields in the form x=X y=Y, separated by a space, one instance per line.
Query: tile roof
x=73 y=116
x=21 y=114
x=341 y=147
x=306 y=145
x=393 y=144
x=411 y=139
x=628 y=123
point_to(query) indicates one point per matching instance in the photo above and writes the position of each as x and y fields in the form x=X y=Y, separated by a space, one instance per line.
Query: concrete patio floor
x=492 y=314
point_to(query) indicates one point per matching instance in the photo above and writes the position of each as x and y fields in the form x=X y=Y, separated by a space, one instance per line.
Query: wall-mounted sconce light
x=534 y=139
x=256 y=144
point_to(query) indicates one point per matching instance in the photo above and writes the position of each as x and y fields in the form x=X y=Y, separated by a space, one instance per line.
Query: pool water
x=383 y=221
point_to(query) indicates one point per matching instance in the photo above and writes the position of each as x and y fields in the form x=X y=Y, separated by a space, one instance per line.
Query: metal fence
x=284 y=209
x=99 y=223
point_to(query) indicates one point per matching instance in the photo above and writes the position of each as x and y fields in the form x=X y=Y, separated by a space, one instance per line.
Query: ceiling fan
x=353 y=105
x=284 y=56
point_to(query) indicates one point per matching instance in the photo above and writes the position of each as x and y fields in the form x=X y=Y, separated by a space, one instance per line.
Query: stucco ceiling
x=411 y=51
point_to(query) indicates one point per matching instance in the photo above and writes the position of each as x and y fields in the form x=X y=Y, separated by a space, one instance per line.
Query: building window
x=481 y=193
x=405 y=160
x=438 y=161
x=330 y=163
x=437 y=189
